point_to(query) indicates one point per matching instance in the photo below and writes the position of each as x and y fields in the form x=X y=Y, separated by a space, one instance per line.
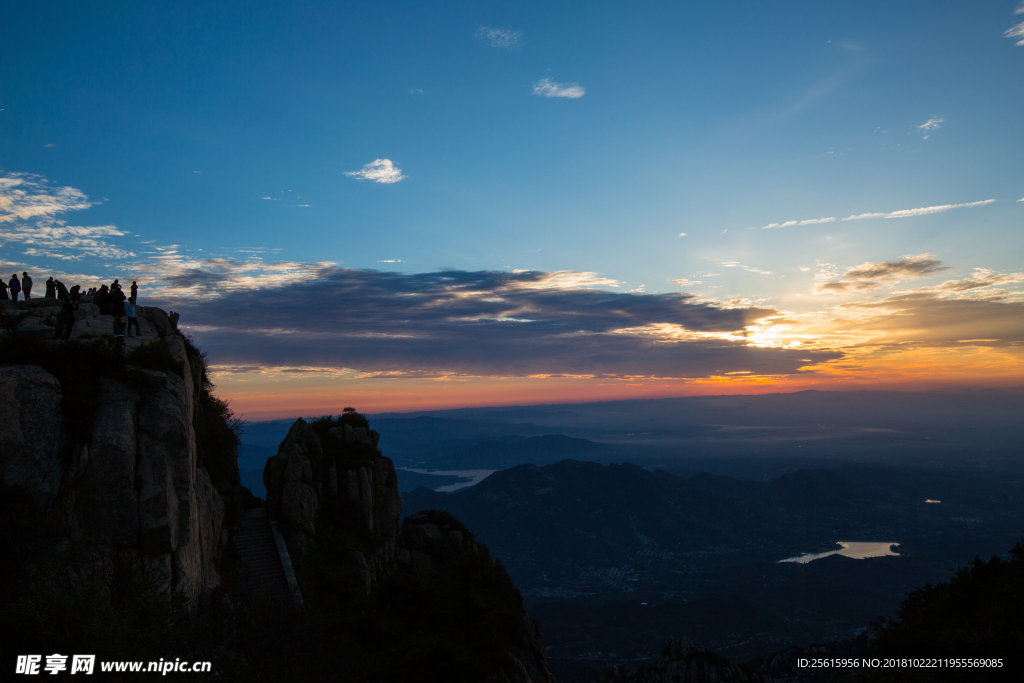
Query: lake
x=470 y=477
x=854 y=549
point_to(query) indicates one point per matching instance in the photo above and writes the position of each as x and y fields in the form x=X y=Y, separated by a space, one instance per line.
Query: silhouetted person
x=67 y=315
x=117 y=298
x=129 y=312
x=134 y=298
x=51 y=289
x=75 y=293
x=61 y=290
x=26 y=285
x=102 y=299
x=3 y=290
x=15 y=285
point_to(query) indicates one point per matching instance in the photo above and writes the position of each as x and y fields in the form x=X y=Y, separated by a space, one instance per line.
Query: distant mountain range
x=618 y=558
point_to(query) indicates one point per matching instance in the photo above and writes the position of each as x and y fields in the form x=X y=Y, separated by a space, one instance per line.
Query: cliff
x=335 y=498
x=121 y=499
x=98 y=456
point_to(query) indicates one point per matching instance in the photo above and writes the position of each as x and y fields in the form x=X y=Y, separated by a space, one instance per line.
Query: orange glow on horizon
x=257 y=397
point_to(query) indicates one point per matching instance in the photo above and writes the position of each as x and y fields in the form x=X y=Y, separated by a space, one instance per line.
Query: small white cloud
x=922 y=211
x=379 y=171
x=549 y=88
x=268 y=197
x=1021 y=199
x=49 y=144
x=392 y=260
x=197 y=171
x=749 y=269
x=499 y=37
x=804 y=268
x=932 y=124
x=683 y=282
x=683 y=234
x=809 y=221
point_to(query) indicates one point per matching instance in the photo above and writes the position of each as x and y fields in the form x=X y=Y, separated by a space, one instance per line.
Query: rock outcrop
x=127 y=493
x=331 y=472
x=685 y=662
x=433 y=545
x=343 y=469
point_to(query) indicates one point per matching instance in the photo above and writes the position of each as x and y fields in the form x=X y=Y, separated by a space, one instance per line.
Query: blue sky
x=230 y=127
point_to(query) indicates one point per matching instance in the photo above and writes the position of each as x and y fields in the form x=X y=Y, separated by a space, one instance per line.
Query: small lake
x=470 y=477
x=854 y=549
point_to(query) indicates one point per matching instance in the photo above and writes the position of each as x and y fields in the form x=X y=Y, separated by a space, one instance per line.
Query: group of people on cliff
x=111 y=301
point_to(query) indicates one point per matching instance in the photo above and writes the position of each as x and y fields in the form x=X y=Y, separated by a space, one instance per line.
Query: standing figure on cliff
x=61 y=291
x=67 y=316
x=51 y=289
x=117 y=298
x=75 y=293
x=102 y=299
x=3 y=290
x=15 y=285
x=135 y=293
x=129 y=312
x=26 y=285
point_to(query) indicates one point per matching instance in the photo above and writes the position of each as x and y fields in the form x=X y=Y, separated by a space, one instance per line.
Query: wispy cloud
x=932 y=124
x=379 y=171
x=55 y=239
x=1017 y=31
x=922 y=211
x=683 y=234
x=982 y=278
x=870 y=276
x=749 y=269
x=24 y=196
x=684 y=282
x=499 y=37
x=549 y=88
x=811 y=221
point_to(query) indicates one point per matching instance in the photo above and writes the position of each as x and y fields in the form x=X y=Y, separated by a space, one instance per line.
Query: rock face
x=327 y=468
x=129 y=494
x=431 y=546
x=685 y=662
x=343 y=469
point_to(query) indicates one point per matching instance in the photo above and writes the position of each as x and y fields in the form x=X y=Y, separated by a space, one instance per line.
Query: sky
x=416 y=205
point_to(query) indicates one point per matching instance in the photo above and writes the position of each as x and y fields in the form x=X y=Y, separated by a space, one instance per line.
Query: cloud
x=923 y=211
x=811 y=221
x=983 y=278
x=870 y=275
x=499 y=37
x=481 y=323
x=549 y=88
x=24 y=196
x=56 y=239
x=379 y=171
x=683 y=234
x=749 y=269
x=683 y=282
x=1016 y=31
x=931 y=124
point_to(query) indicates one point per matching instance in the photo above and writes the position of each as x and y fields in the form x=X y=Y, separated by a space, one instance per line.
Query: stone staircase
x=257 y=550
